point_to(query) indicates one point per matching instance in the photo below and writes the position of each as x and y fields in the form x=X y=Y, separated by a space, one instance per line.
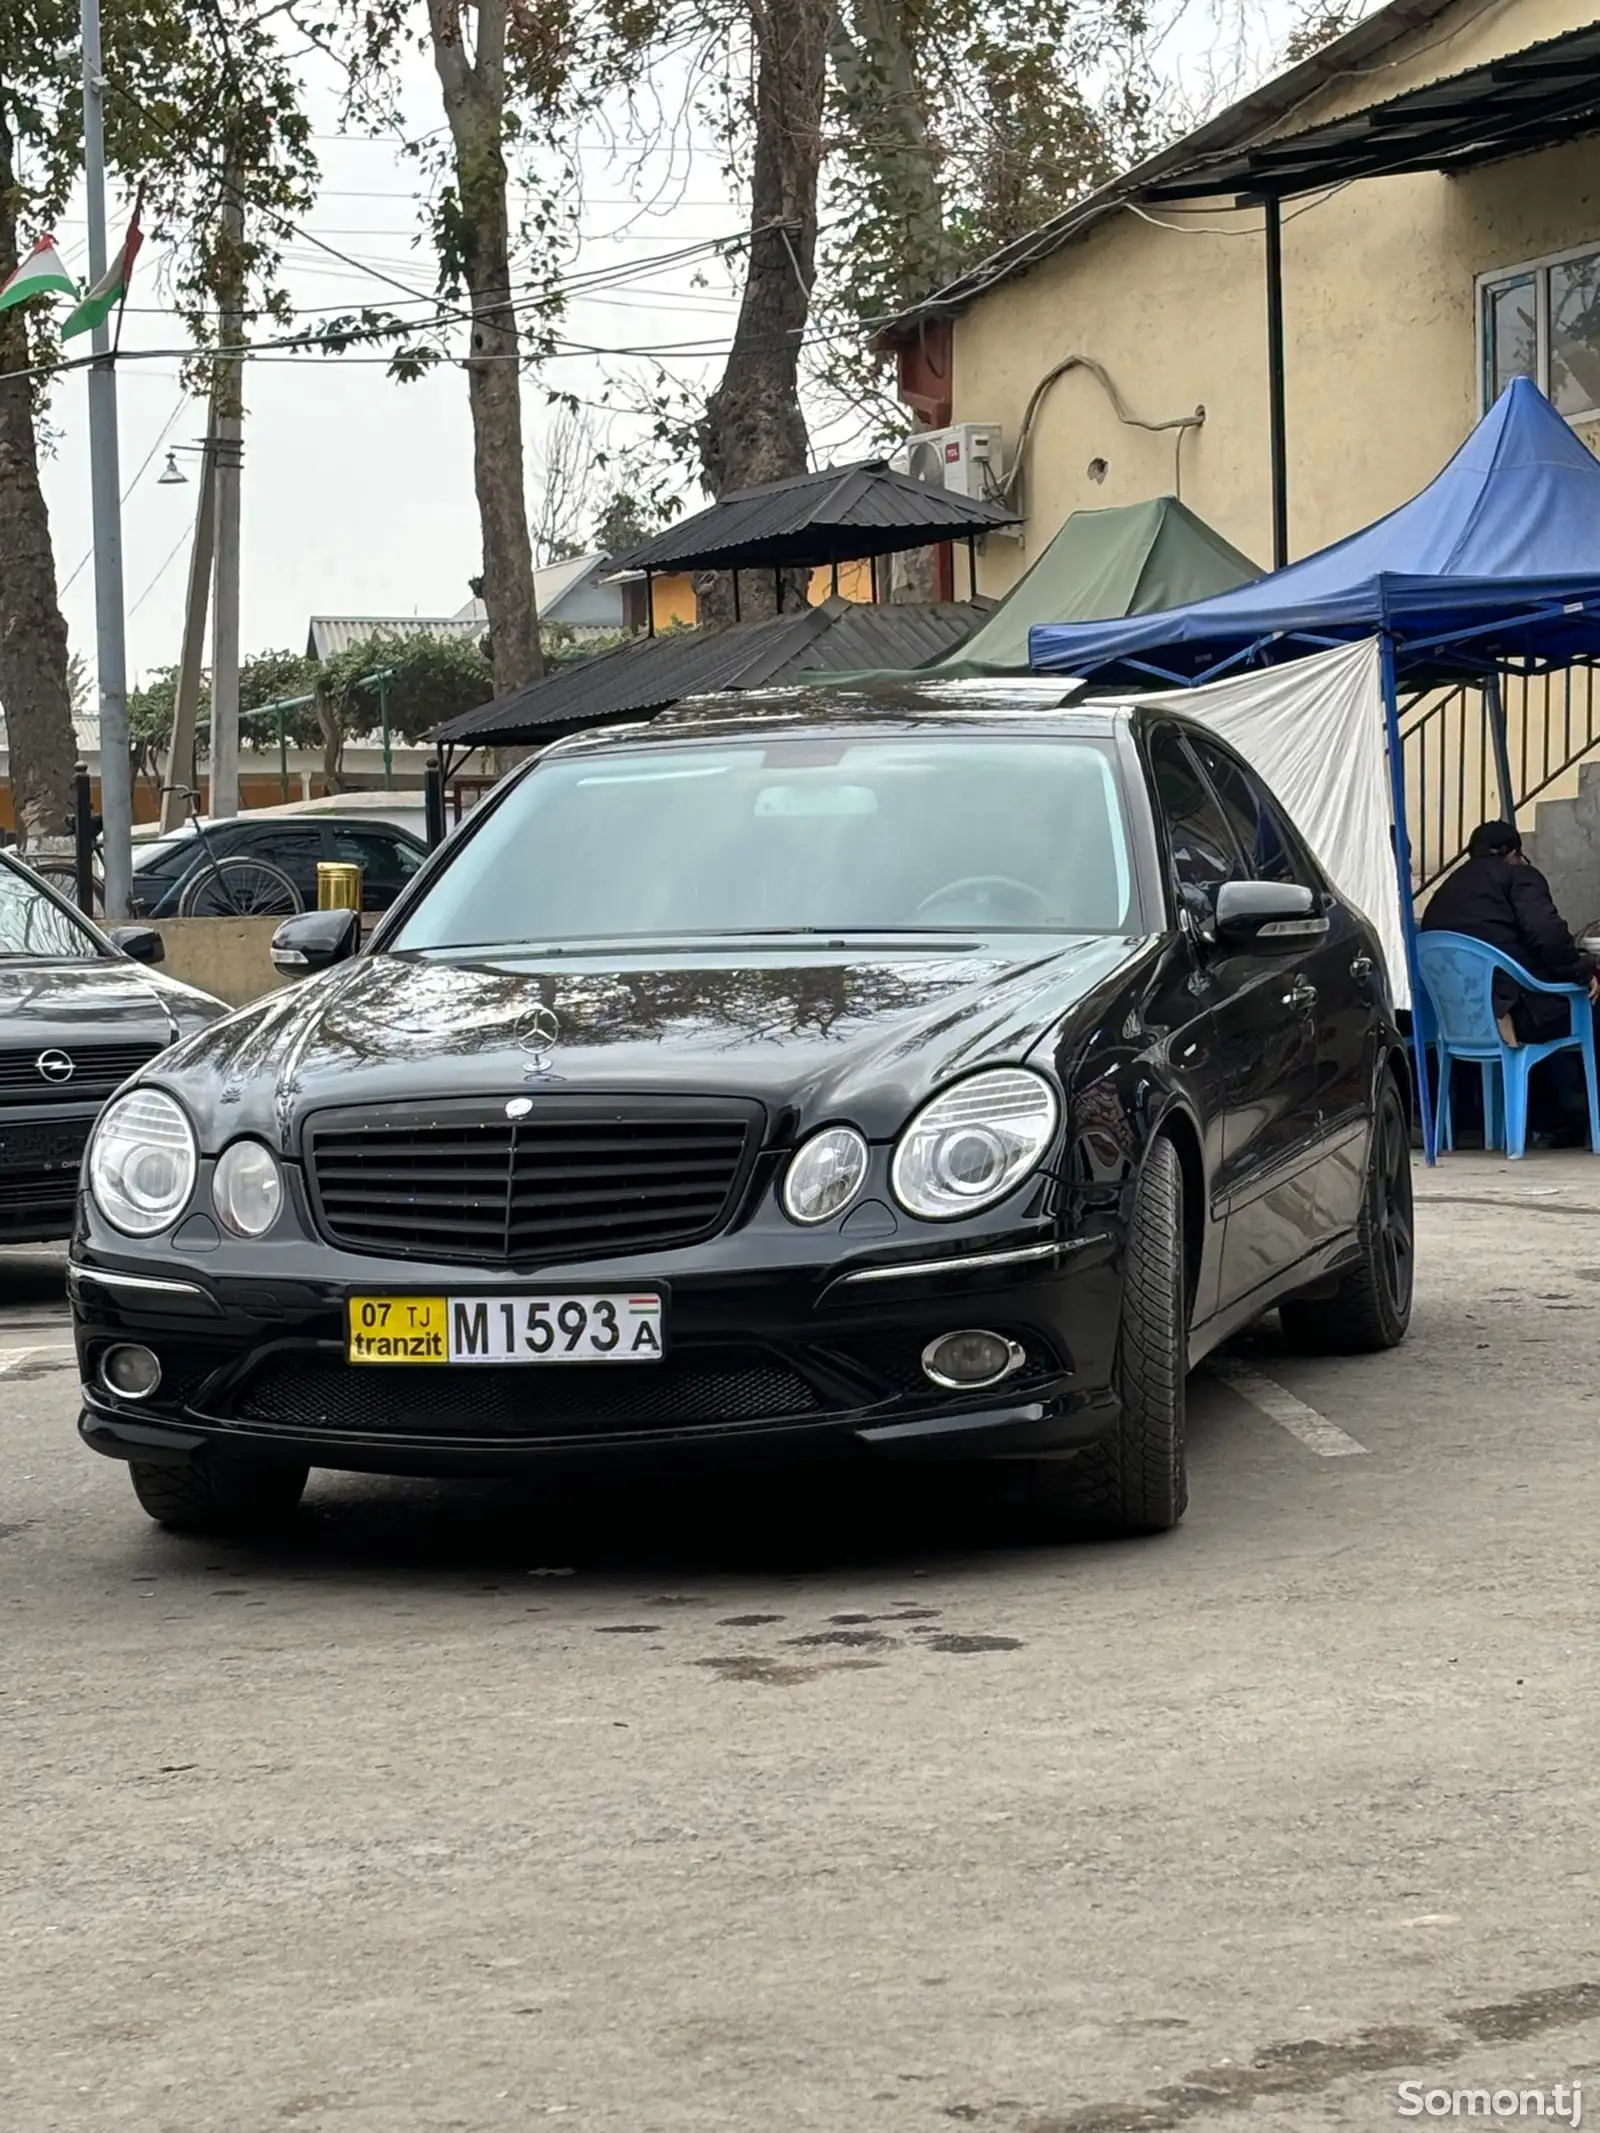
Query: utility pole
x=186 y=703
x=228 y=428
x=116 y=766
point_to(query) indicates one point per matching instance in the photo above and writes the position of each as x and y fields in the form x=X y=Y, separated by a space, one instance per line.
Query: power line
x=161 y=573
x=165 y=432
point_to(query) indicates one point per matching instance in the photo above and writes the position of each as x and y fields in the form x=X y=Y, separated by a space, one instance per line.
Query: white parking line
x=1314 y=1431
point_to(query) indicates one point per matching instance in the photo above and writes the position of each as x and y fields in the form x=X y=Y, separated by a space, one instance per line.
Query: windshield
x=32 y=926
x=794 y=835
x=162 y=853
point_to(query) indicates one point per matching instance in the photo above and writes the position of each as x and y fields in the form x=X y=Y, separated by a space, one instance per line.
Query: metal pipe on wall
x=1277 y=424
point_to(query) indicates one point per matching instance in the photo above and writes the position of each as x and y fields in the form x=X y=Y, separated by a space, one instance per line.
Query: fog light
x=961 y=1362
x=131 y=1373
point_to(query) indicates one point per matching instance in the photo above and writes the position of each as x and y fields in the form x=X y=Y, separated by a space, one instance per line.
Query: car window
x=386 y=860
x=1270 y=848
x=31 y=924
x=166 y=855
x=280 y=845
x=293 y=848
x=1203 y=851
x=907 y=834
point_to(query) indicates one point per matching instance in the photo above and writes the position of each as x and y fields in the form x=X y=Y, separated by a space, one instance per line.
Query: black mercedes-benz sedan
x=871 y=1075
x=79 y=1012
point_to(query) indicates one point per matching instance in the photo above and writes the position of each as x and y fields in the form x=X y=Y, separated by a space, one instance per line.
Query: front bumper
x=817 y=1349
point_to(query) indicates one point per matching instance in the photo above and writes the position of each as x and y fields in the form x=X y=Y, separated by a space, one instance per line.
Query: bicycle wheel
x=239 y=888
x=62 y=876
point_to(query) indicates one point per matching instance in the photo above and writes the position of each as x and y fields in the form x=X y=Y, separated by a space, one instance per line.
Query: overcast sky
x=357 y=491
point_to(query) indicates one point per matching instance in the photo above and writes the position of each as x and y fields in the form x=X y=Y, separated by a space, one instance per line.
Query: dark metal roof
x=836 y=515
x=1530 y=99
x=1254 y=115
x=647 y=675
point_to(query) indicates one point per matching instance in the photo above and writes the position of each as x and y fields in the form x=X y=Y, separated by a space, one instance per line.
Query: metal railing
x=1552 y=721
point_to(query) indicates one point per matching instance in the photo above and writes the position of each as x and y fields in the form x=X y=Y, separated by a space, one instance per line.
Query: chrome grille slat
x=458 y=1182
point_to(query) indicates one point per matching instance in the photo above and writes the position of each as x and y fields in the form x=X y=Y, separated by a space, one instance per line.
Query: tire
x=220 y=1493
x=1135 y=1479
x=1371 y=1308
x=62 y=876
x=238 y=888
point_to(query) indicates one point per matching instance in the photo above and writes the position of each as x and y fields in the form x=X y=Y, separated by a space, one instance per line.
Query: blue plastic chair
x=1459 y=973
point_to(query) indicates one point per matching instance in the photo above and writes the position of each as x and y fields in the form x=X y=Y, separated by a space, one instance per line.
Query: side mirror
x=1268 y=911
x=316 y=940
x=142 y=943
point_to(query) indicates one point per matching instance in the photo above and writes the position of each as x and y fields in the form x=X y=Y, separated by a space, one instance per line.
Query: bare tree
x=567 y=469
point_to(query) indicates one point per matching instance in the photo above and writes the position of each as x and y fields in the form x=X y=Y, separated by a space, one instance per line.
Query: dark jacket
x=1511 y=908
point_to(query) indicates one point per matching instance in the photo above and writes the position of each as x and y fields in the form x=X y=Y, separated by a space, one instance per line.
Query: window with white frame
x=1542 y=321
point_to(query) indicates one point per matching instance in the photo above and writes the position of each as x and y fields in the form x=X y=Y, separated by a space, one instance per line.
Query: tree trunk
x=753 y=429
x=474 y=101
x=34 y=690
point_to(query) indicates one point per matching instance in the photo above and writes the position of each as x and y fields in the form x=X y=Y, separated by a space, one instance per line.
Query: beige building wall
x=1382 y=370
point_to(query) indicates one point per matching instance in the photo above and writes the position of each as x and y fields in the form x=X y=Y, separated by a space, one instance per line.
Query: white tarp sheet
x=1314 y=728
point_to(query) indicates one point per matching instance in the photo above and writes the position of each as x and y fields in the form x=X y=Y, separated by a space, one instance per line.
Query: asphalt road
x=770 y=1806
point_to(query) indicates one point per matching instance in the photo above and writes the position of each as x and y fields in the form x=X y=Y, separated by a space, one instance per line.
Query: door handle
x=1303 y=995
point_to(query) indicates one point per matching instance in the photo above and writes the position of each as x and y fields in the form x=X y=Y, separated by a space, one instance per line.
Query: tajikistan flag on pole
x=39 y=274
x=110 y=290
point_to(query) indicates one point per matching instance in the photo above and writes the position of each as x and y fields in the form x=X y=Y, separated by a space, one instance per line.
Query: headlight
x=247 y=1189
x=142 y=1162
x=825 y=1175
x=973 y=1143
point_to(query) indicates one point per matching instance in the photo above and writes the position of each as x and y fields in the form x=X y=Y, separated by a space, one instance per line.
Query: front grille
x=550 y=1400
x=97 y=1069
x=460 y=1182
x=37 y=1202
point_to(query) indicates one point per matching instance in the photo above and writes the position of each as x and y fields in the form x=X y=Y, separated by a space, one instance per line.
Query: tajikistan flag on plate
x=39 y=274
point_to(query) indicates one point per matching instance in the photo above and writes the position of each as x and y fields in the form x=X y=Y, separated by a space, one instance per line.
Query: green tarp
x=1130 y=561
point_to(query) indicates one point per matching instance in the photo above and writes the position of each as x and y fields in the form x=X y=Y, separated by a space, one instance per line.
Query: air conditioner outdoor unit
x=968 y=459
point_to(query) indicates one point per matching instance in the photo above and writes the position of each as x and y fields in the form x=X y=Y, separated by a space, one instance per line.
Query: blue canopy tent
x=1494 y=568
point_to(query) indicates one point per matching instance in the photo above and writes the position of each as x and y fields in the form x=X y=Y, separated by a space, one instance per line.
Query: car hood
x=108 y=1001
x=814 y=1031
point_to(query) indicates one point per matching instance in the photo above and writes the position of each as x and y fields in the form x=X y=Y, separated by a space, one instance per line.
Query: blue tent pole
x=1402 y=867
x=1495 y=711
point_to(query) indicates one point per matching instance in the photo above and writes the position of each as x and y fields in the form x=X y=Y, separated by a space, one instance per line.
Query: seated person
x=1499 y=896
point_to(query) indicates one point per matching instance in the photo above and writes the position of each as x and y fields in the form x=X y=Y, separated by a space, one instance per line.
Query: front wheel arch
x=1177 y=1126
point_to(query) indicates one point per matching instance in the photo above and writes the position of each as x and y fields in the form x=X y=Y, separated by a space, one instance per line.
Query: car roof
x=314 y=812
x=1024 y=703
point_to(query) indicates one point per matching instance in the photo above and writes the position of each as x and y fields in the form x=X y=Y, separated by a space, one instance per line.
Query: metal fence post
x=433 y=801
x=83 y=838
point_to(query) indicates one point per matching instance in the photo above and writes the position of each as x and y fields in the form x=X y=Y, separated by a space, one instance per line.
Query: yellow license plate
x=566 y=1326
x=399 y=1329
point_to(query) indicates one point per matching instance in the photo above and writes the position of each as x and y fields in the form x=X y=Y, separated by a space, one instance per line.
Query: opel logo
x=538 y=1034
x=54 y=1066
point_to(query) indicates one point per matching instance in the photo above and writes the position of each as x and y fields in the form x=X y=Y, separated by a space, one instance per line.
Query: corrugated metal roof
x=836 y=515
x=1526 y=100
x=551 y=584
x=1250 y=119
x=330 y=635
x=636 y=679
